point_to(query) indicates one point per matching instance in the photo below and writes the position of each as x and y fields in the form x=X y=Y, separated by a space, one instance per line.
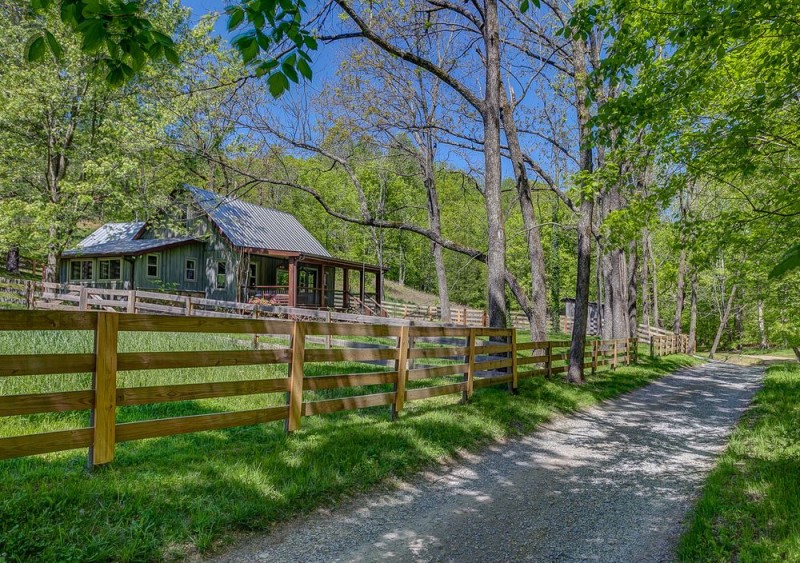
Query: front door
x=308 y=286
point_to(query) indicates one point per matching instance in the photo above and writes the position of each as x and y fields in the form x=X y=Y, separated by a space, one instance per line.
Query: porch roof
x=315 y=259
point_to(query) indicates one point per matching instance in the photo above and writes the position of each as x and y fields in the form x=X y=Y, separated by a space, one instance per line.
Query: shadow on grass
x=167 y=497
x=751 y=501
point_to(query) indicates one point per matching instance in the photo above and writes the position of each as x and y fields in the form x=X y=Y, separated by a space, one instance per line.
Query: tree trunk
x=12 y=260
x=555 y=270
x=738 y=324
x=633 y=325
x=496 y=254
x=654 y=275
x=586 y=216
x=645 y=277
x=692 y=348
x=762 y=330
x=796 y=350
x=579 y=322
x=537 y=315
x=723 y=322
x=680 y=293
x=435 y=223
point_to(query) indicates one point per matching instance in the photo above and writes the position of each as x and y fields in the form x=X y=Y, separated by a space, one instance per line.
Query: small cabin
x=226 y=249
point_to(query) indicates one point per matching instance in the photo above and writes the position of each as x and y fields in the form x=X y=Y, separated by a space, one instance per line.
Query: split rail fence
x=481 y=357
x=669 y=344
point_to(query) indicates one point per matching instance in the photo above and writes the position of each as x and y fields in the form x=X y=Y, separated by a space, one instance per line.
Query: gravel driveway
x=612 y=483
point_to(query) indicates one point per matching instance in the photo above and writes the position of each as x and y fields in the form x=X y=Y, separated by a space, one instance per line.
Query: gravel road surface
x=612 y=483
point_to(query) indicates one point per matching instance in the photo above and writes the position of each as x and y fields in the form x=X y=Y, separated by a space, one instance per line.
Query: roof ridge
x=242 y=201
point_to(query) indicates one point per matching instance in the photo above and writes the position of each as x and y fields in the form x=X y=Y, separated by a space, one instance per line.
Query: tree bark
x=586 y=216
x=579 y=322
x=435 y=223
x=644 y=280
x=654 y=275
x=723 y=322
x=680 y=293
x=496 y=254
x=537 y=313
x=692 y=348
x=762 y=330
x=633 y=325
x=555 y=270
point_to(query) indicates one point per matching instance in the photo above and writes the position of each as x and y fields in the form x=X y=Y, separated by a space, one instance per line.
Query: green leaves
x=789 y=261
x=117 y=32
x=265 y=24
x=35 y=49
x=278 y=84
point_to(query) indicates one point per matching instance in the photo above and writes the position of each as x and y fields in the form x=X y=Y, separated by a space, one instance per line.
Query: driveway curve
x=611 y=483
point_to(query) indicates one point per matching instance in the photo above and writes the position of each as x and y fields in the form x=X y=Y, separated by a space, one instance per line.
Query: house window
x=252 y=277
x=281 y=276
x=191 y=270
x=81 y=270
x=152 y=265
x=221 y=276
x=110 y=269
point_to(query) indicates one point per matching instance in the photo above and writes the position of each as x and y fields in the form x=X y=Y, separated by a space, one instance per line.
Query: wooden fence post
x=549 y=351
x=465 y=316
x=514 y=372
x=296 y=378
x=104 y=383
x=615 y=353
x=628 y=351
x=401 y=366
x=131 y=301
x=485 y=319
x=652 y=347
x=328 y=338
x=471 y=364
x=595 y=350
x=83 y=299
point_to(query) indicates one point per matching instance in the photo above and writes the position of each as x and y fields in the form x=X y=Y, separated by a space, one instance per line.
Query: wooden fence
x=26 y=294
x=669 y=344
x=482 y=357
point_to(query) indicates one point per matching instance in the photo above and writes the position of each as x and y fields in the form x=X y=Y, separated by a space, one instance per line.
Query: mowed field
x=171 y=497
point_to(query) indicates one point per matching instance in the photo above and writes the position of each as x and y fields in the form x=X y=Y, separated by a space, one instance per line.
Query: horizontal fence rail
x=664 y=345
x=34 y=295
x=473 y=357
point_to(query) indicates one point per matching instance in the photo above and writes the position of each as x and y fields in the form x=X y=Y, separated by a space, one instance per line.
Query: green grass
x=168 y=497
x=750 y=506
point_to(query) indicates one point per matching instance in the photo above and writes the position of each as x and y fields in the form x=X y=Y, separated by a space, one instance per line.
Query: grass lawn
x=750 y=507
x=169 y=497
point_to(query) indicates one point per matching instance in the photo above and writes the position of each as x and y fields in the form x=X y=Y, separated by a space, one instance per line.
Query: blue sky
x=325 y=63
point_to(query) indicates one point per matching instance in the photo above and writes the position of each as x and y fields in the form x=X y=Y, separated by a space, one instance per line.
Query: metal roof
x=251 y=226
x=126 y=247
x=113 y=232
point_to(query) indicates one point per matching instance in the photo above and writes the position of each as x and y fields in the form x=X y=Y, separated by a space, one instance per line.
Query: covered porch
x=298 y=280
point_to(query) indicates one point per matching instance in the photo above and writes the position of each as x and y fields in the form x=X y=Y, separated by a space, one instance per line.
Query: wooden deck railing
x=480 y=357
x=669 y=344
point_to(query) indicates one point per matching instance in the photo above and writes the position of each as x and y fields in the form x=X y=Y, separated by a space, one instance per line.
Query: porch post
x=361 y=287
x=292 y=282
x=346 y=288
x=379 y=286
x=322 y=294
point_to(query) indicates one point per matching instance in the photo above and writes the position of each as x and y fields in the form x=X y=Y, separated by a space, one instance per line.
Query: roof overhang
x=111 y=250
x=314 y=259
